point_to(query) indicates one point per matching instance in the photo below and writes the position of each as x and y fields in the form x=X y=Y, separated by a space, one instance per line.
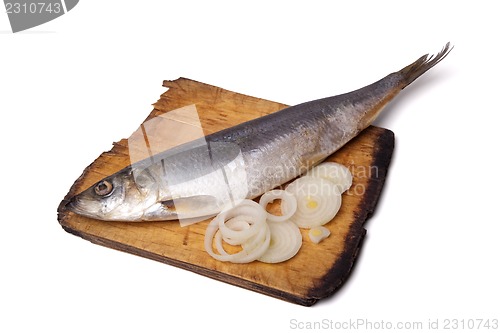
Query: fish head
x=123 y=196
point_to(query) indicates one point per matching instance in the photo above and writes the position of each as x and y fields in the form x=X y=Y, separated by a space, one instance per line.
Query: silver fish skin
x=198 y=179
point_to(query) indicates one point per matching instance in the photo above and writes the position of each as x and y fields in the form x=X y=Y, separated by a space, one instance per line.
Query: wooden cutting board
x=316 y=272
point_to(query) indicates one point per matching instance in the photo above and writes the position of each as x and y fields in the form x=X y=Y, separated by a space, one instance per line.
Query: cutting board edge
x=339 y=273
x=219 y=276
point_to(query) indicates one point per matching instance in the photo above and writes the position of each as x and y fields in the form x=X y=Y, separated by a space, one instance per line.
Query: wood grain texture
x=316 y=272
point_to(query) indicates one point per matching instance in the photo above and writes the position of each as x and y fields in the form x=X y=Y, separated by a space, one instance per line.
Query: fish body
x=199 y=178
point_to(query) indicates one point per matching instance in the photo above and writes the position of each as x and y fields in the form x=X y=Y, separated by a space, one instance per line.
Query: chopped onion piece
x=335 y=172
x=286 y=241
x=288 y=204
x=318 y=201
x=317 y=234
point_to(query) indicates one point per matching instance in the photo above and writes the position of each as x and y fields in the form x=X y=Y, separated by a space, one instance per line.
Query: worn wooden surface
x=316 y=272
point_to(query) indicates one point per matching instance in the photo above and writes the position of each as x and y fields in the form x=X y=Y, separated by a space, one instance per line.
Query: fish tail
x=411 y=72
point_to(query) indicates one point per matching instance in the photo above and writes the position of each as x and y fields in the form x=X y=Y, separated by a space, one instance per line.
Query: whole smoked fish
x=197 y=179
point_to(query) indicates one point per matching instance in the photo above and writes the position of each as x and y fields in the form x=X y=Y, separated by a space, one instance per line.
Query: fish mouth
x=72 y=205
x=76 y=205
x=82 y=207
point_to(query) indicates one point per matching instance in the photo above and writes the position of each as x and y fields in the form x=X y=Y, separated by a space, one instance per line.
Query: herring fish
x=198 y=179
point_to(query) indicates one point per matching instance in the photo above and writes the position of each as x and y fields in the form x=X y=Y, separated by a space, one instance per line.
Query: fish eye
x=103 y=188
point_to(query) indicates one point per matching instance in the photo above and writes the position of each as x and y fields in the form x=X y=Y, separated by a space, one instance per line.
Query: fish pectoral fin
x=194 y=206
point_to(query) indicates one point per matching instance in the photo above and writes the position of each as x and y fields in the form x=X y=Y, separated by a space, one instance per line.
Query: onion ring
x=249 y=228
x=288 y=204
x=286 y=241
x=318 y=201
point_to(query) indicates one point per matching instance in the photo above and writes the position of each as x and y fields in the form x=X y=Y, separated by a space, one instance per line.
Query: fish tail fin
x=411 y=72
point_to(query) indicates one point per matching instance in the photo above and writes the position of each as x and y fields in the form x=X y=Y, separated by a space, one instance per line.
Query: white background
x=71 y=87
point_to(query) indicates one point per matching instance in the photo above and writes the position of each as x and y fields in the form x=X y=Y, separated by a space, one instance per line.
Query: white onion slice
x=239 y=223
x=240 y=228
x=248 y=226
x=318 y=201
x=335 y=172
x=286 y=241
x=317 y=234
x=253 y=249
x=248 y=211
x=288 y=204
